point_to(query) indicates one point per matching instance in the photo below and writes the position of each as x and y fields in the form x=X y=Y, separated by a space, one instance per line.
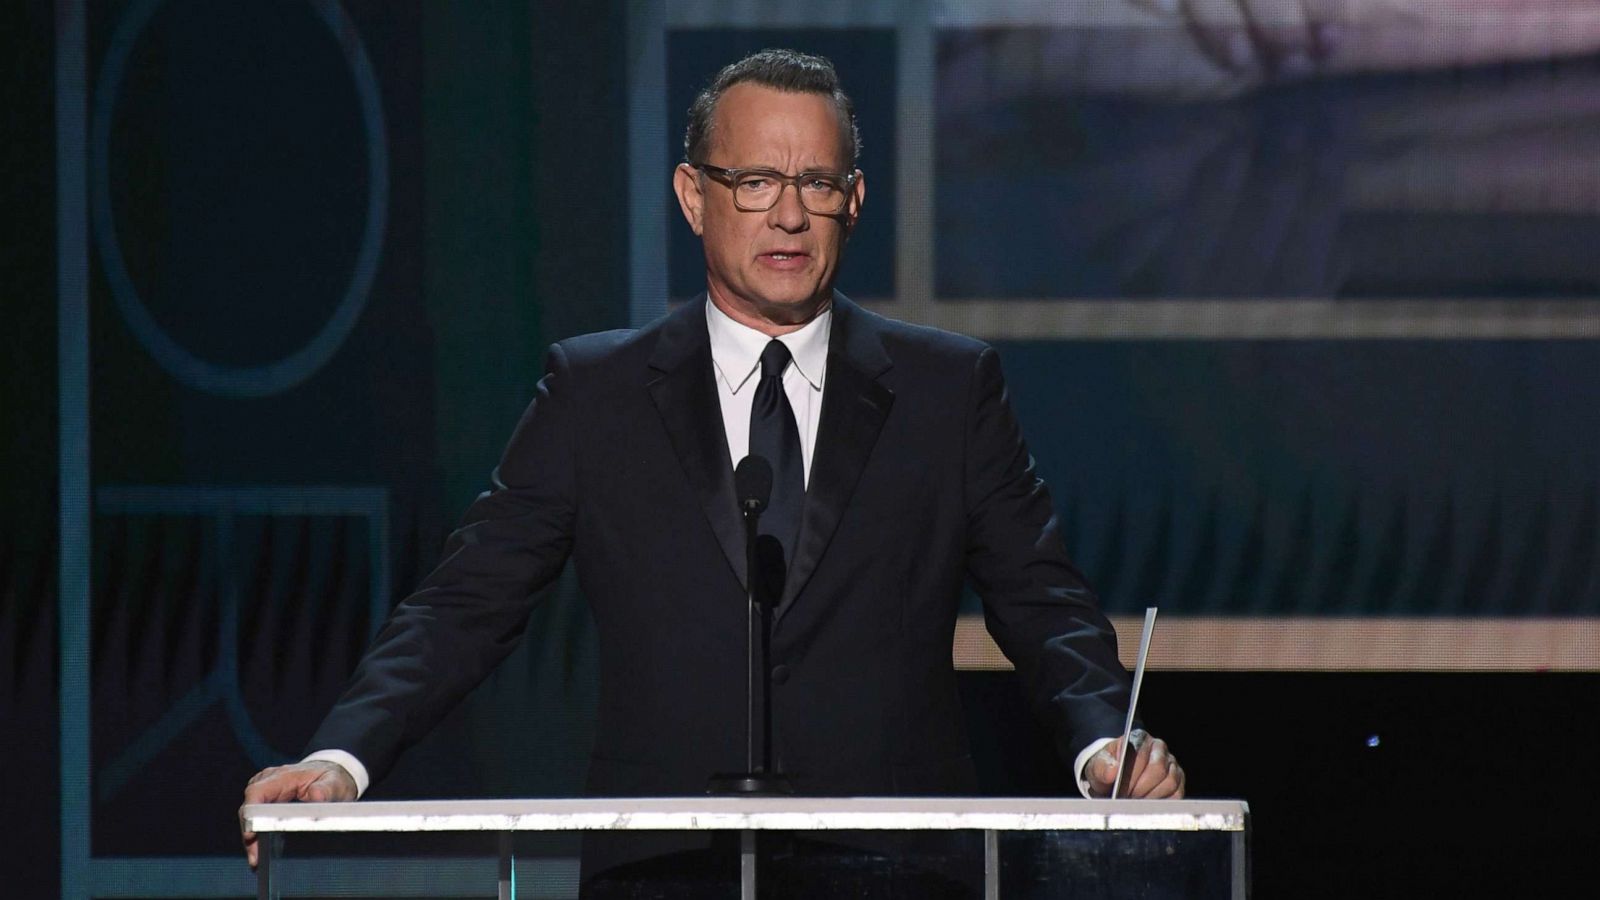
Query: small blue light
x=1372 y=740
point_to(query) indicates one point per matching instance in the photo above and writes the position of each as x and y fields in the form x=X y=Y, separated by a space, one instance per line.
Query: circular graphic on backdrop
x=236 y=378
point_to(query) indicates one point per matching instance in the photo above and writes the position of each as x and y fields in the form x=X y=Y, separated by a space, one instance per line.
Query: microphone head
x=752 y=483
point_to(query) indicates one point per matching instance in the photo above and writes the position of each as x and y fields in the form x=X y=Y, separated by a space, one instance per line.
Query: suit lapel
x=854 y=406
x=685 y=394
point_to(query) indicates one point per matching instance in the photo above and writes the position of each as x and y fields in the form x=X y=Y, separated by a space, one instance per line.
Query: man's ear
x=858 y=195
x=691 y=198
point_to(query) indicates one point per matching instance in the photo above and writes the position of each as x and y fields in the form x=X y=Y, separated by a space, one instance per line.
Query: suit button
x=780 y=674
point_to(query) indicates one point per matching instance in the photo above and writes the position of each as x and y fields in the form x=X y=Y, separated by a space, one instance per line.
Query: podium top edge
x=752 y=813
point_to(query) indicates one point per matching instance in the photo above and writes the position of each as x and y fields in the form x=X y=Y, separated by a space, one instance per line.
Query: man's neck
x=772 y=327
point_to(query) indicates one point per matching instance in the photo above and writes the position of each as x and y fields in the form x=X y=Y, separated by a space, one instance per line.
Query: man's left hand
x=1153 y=772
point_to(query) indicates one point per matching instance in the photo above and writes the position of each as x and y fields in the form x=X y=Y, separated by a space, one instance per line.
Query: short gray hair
x=783 y=70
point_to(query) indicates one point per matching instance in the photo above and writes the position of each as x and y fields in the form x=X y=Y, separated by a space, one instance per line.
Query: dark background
x=1261 y=478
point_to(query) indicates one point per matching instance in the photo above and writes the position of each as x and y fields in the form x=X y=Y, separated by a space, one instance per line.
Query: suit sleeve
x=1036 y=604
x=466 y=616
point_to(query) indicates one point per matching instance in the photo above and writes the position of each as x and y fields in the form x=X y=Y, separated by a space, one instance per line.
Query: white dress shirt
x=736 y=357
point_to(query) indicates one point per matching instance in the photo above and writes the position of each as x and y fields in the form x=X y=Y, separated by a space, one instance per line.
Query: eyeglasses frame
x=732 y=176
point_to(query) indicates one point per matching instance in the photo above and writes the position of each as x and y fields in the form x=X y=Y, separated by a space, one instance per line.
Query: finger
x=1152 y=767
x=1112 y=769
x=1136 y=762
x=1162 y=790
x=1118 y=776
x=271 y=792
x=255 y=792
x=279 y=785
x=1176 y=778
x=1169 y=784
x=248 y=839
x=1177 y=783
x=1102 y=769
x=272 y=785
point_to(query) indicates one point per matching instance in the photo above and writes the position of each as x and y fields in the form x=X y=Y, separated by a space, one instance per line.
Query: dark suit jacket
x=919 y=481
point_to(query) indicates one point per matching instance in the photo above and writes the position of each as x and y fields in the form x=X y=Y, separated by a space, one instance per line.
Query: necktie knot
x=774 y=358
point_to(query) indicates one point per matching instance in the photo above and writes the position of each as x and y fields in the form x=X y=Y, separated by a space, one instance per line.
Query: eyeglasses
x=758 y=190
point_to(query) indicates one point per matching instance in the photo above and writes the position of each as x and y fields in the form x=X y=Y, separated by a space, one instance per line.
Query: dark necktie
x=774 y=435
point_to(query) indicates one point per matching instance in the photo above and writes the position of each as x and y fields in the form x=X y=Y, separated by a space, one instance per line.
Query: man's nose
x=788 y=213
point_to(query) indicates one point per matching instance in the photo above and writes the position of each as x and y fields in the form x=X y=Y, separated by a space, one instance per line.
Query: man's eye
x=820 y=186
x=755 y=184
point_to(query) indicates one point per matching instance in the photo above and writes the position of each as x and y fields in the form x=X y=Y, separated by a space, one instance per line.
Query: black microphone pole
x=752 y=481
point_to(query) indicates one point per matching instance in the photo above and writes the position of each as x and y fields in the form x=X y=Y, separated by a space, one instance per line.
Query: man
x=899 y=472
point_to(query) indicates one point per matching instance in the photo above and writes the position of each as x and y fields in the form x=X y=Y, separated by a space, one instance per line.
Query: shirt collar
x=736 y=348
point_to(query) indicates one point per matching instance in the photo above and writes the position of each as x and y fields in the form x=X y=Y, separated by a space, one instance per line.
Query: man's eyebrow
x=811 y=167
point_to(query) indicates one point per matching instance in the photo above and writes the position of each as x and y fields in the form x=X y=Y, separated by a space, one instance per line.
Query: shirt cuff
x=1082 y=763
x=358 y=772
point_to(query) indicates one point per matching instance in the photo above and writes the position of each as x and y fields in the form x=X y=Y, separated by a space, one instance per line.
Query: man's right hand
x=318 y=781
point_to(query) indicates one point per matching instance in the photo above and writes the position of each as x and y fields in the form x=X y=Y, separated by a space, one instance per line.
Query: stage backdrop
x=1303 y=348
x=311 y=255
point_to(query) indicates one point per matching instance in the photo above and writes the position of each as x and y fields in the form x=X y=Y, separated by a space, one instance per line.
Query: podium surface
x=1023 y=838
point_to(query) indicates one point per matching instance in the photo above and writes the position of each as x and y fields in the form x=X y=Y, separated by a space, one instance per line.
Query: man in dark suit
x=899 y=471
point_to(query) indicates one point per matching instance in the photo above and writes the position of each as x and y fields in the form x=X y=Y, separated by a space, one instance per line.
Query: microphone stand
x=753 y=483
x=757 y=779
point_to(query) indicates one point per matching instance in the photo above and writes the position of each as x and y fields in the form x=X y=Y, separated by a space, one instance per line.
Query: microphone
x=752 y=482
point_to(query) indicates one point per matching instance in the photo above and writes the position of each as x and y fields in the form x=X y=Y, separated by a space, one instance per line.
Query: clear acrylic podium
x=1030 y=847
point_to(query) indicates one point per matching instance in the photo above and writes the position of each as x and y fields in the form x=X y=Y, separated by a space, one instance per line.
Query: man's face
x=775 y=267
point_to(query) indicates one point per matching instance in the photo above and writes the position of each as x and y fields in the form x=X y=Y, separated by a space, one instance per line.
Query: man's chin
x=793 y=310
x=790 y=304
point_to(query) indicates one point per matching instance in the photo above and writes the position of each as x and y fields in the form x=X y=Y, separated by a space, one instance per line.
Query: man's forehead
x=773 y=128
